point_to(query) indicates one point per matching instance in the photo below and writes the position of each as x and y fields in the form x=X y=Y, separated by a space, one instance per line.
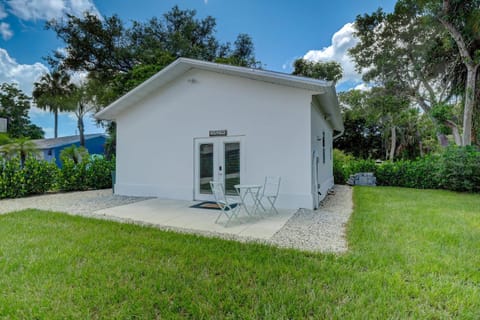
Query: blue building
x=50 y=148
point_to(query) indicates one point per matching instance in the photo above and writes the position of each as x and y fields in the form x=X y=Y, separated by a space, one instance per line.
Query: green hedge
x=456 y=168
x=40 y=176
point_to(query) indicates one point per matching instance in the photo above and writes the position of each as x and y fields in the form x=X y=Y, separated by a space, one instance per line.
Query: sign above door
x=218 y=133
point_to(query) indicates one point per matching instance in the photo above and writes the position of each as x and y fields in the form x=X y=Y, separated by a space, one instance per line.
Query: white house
x=196 y=121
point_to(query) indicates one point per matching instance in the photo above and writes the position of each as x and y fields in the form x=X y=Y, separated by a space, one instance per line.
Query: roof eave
x=182 y=65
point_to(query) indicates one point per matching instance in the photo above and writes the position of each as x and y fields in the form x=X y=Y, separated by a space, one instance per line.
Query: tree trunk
x=80 y=131
x=469 y=63
x=393 y=143
x=455 y=132
x=55 y=133
x=442 y=139
x=420 y=143
x=469 y=104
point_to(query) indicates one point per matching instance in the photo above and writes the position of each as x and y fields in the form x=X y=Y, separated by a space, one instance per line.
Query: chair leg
x=221 y=212
x=219 y=215
x=259 y=201
x=230 y=214
x=272 y=203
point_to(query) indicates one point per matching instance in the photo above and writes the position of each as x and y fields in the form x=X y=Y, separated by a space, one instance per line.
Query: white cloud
x=49 y=9
x=342 y=41
x=5 y=31
x=3 y=13
x=80 y=6
x=362 y=87
x=49 y=132
x=23 y=74
x=79 y=77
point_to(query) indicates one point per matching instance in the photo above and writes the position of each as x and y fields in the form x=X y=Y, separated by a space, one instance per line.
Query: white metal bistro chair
x=228 y=205
x=270 y=193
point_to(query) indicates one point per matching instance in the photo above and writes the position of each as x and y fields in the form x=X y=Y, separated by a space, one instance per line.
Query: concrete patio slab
x=178 y=214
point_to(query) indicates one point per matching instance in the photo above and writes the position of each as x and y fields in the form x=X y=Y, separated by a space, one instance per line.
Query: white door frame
x=218 y=162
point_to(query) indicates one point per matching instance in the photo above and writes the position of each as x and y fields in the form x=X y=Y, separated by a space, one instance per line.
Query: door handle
x=220 y=168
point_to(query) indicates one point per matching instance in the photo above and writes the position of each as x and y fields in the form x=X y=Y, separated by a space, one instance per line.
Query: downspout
x=338 y=135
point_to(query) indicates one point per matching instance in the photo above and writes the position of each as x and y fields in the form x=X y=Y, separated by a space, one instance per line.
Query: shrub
x=12 y=180
x=99 y=173
x=421 y=173
x=39 y=175
x=341 y=166
x=81 y=171
x=345 y=165
x=460 y=169
x=73 y=176
x=456 y=168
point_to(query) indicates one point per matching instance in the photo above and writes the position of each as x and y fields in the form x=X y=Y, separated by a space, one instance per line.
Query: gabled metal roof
x=62 y=141
x=183 y=65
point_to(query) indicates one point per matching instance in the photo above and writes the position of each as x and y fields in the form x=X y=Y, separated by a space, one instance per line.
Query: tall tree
x=380 y=124
x=21 y=148
x=118 y=58
x=242 y=54
x=107 y=48
x=329 y=71
x=386 y=109
x=93 y=45
x=82 y=101
x=51 y=92
x=14 y=106
x=462 y=21
x=362 y=137
x=414 y=47
x=398 y=49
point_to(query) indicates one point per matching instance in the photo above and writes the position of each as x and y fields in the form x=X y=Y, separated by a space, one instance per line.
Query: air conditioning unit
x=3 y=125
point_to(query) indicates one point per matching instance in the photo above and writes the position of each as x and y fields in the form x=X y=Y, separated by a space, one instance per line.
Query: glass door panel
x=206 y=167
x=232 y=166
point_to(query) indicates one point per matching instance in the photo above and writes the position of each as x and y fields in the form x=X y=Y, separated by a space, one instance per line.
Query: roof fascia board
x=328 y=104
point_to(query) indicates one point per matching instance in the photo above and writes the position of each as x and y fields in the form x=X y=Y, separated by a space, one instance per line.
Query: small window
x=49 y=152
x=323 y=146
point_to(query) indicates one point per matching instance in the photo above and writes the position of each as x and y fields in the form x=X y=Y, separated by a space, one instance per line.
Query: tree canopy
x=50 y=93
x=14 y=106
x=381 y=125
x=111 y=51
x=118 y=57
x=329 y=71
x=428 y=51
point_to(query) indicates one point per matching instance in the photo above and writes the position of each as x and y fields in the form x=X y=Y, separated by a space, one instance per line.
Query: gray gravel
x=322 y=230
x=79 y=203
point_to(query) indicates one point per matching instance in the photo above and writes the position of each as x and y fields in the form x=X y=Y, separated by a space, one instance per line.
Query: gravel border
x=321 y=230
x=79 y=203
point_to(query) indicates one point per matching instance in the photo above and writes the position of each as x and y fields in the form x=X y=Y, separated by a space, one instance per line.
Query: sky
x=282 y=31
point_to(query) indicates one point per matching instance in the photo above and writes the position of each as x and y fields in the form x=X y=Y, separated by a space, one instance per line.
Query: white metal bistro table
x=246 y=191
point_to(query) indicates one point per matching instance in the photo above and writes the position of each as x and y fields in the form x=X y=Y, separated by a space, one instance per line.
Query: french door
x=217 y=159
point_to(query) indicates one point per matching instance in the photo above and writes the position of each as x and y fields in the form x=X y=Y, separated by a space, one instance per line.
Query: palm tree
x=74 y=153
x=83 y=101
x=51 y=92
x=21 y=147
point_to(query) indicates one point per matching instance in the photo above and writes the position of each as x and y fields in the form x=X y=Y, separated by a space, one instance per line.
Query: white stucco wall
x=155 y=139
x=319 y=126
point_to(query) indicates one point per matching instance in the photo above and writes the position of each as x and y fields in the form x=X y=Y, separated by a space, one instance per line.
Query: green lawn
x=413 y=254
